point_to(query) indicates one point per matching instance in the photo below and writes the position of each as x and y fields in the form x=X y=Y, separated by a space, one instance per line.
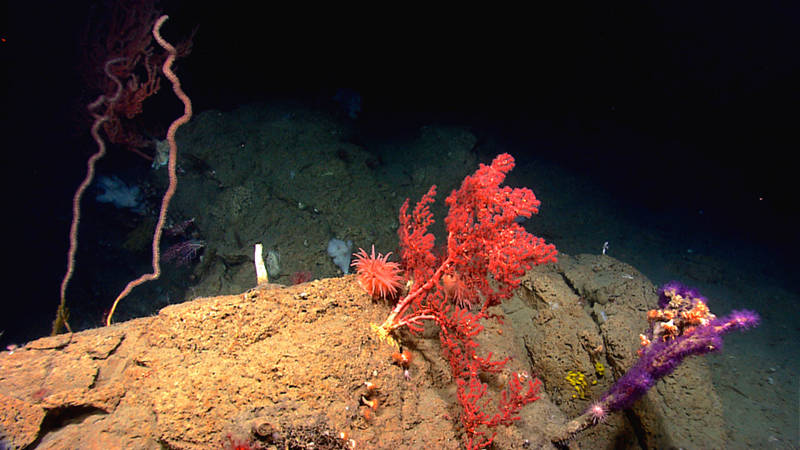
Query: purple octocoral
x=660 y=357
x=681 y=326
x=673 y=288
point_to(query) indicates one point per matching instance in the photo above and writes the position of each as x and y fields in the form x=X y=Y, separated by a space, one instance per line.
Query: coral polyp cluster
x=680 y=310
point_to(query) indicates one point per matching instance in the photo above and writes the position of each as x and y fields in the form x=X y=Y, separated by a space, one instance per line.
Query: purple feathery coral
x=659 y=359
x=744 y=319
x=675 y=288
x=682 y=326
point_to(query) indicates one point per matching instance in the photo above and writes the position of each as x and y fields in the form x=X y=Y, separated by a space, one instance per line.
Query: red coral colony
x=484 y=240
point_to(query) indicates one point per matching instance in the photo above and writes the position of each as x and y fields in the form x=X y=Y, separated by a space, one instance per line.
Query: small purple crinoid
x=184 y=252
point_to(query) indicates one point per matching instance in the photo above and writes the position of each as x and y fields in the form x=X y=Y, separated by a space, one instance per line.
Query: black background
x=670 y=104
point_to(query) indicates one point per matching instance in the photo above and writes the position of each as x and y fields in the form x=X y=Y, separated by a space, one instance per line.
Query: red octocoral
x=376 y=274
x=484 y=239
x=484 y=243
x=458 y=292
x=512 y=399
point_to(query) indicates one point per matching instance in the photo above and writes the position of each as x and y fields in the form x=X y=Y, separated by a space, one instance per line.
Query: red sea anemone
x=378 y=276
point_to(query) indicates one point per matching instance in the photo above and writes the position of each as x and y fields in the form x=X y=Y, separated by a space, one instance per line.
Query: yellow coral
x=578 y=381
x=383 y=335
x=599 y=369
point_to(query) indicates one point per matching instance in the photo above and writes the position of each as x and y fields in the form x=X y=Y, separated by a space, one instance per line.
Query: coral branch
x=172 y=166
x=483 y=239
x=683 y=326
x=484 y=242
x=99 y=120
x=512 y=400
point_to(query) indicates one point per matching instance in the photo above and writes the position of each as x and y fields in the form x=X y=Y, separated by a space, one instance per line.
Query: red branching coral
x=484 y=243
x=483 y=240
x=416 y=243
x=512 y=399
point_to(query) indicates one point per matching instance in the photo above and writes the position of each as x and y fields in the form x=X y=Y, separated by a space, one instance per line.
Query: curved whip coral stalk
x=61 y=313
x=173 y=162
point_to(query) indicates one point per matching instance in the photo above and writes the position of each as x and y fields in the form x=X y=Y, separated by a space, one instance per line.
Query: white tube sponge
x=261 y=270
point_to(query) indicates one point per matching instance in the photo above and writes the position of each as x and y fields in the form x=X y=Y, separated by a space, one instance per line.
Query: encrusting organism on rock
x=403 y=359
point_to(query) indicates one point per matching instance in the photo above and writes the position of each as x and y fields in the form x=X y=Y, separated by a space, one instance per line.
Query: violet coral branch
x=682 y=326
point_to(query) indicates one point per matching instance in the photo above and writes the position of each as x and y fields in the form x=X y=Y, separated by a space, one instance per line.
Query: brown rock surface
x=589 y=309
x=287 y=366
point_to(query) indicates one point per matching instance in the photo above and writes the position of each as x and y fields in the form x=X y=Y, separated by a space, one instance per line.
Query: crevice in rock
x=57 y=418
x=638 y=428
